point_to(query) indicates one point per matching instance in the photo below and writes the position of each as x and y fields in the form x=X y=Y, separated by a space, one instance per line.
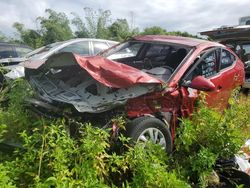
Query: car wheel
x=144 y=129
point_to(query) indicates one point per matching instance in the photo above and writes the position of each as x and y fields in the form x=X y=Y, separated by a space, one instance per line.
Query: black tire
x=141 y=126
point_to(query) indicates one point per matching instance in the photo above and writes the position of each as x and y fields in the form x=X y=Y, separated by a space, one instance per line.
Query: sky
x=192 y=16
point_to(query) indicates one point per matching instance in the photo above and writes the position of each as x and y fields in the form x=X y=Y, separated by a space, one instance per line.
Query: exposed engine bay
x=103 y=83
x=61 y=79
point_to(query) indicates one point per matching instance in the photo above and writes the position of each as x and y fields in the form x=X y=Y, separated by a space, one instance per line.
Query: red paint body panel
x=168 y=100
x=105 y=71
x=165 y=101
x=191 y=42
x=175 y=98
x=113 y=74
x=200 y=82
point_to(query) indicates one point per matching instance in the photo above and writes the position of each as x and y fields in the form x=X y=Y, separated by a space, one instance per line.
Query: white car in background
x=81 y=46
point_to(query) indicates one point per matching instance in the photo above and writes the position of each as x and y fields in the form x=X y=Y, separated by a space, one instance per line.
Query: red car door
x=226 y=80
x=219 y=66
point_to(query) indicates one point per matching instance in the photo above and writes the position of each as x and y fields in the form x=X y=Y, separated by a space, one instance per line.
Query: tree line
x=56 y=26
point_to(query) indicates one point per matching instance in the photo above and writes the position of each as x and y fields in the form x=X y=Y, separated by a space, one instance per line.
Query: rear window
x=227 y=59
x=81 y=48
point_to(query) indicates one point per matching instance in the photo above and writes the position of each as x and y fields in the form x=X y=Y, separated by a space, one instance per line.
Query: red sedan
x=153 y=80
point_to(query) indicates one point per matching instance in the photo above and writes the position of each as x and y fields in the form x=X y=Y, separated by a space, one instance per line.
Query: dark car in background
x=8 y=50
x=11 y=54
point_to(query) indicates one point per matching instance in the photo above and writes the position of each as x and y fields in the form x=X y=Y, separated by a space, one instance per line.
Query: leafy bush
x=51 y=158
x=13 y=114
x=5 y=180
x=210 y=135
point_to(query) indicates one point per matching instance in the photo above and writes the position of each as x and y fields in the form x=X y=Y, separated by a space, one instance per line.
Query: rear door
x=226 y=80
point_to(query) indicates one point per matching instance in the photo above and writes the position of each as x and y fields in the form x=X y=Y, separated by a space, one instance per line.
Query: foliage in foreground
x=51 y=158
x=210 y=136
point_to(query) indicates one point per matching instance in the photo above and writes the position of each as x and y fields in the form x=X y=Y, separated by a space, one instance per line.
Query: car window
x=227 y=59
x=81 y=48
x=206 y=64
x=21 y=51
x=125 y=50
x=99 y=46
x=157 y=50
x=6 y=52
x=208 y=67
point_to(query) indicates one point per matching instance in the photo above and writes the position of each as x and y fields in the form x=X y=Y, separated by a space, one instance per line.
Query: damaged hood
x=105 y=71
x=90 y=84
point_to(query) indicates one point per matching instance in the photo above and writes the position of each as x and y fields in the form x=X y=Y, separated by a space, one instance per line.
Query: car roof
x=87 y=39
x=191 y=42
x=62 y=44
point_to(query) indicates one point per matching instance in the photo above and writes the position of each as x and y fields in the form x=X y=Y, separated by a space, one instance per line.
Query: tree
x=55 y=27
x=97 y=22
x=184 y=34
x=81 y=30
x=28 y=36
x=119 y=30
x=155 y=30
x=102 y=24
x=3 y=38
x=94 y=25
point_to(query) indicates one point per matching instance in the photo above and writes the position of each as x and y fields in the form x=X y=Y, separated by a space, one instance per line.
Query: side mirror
x=201 y=83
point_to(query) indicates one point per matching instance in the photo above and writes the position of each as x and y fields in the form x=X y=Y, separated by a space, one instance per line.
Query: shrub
x=51 y=158
x=210 y=135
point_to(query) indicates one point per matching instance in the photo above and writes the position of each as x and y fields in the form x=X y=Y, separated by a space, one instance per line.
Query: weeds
x=51 y=158
x=209 y=136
